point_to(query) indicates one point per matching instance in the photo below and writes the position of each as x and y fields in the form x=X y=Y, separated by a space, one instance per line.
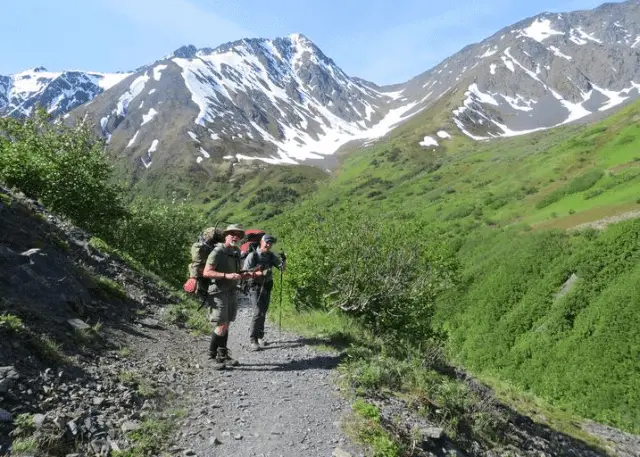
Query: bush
x=382 y=274
x=159 y=235
x=62 y=166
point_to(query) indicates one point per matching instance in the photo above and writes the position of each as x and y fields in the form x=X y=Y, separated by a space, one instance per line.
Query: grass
x=109 y=288
x=364 y=426
x=11 y=322
x=541 y=411
x=49 y=350
x=24 y=446
x=188 y=313
x=495 y=204
x=144 y=387
x=151 y=438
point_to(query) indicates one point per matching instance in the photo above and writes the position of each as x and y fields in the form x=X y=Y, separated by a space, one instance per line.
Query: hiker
x=259 y=264
x=223 y=268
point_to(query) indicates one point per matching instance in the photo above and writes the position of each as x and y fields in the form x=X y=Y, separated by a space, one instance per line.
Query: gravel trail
x=279 y=401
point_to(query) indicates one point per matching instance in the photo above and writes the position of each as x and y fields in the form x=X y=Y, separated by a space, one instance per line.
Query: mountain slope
x=541 y=72
x=203 y=116
x=57 y=92
x=280 y=100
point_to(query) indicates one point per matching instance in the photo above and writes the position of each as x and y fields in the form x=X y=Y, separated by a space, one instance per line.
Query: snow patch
x=489 y=52
x=147 y=117
x=581 y=37
x=492 y=68
x=153 y=147
x=508 y=62
x=134 y=90
x=519 y=102
x=157 y=71
x=193 y=136
x=151 y=91
x=615 y=98
x=428 y=141
x=557 y=52
x=132 y=140
x=443 y=134
x=215 y=136
x=205 y=153
x=539 y=30
x=483 y=97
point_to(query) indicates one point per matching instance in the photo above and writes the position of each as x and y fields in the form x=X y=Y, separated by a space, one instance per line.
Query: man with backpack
x=260 y=264
x=222 y=267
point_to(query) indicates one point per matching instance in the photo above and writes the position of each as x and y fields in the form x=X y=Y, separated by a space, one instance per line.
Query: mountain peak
x=299 y=37
x=186 y=52
x=40 y=69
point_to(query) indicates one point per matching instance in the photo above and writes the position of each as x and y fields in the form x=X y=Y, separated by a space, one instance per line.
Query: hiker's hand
x=246 y=275
x=233 y=276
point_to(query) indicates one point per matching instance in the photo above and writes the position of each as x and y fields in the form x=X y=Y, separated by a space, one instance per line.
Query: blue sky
x=384 y=41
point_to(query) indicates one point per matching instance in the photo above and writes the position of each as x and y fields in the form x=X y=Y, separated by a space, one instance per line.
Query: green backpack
x=200 y=250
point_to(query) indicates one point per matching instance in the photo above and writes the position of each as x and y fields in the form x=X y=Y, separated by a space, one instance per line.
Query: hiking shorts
x=223 y=306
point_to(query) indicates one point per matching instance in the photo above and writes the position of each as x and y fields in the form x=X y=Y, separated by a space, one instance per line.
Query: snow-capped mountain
x=58 y=92
x=284 y=101
x=542 y=72
x=280 y=100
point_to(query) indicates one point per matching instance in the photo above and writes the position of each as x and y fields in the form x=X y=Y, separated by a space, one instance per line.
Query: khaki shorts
x=223 y=306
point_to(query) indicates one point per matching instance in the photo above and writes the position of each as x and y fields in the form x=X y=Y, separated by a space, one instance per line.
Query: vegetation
x=490 y=213
x=410 y=254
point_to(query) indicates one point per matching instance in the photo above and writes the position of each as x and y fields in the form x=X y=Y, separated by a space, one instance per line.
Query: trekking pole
x=280 y=308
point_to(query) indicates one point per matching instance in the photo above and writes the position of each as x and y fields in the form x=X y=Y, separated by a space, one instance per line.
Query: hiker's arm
x=210 y=272
x=277 y=261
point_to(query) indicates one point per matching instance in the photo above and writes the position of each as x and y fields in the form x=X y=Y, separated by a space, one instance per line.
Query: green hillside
x=500 y=209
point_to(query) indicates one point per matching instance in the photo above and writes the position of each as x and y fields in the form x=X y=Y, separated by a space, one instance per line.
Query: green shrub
x=63 y=166
x=371 y=269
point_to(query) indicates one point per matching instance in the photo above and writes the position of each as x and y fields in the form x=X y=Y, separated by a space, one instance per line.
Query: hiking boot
x=262 y=342
x=254 y=345
x=227 y=359
x=218 y=361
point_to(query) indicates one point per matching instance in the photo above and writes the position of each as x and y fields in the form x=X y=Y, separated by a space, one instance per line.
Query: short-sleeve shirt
x=225 y=260
x=265 y=260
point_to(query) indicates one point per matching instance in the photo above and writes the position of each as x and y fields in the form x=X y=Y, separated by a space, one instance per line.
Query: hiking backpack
x=200 y=250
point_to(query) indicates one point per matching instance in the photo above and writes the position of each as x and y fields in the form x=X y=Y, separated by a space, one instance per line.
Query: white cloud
x=181 y=20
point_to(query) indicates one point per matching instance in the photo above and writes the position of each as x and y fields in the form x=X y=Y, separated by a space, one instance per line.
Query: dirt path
x=280 y=401
x=604 y=222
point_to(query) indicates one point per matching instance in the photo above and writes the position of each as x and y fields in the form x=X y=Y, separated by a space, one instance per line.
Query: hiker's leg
x=218 y=315
x=263 y=306
x=254 y=293
x=231 y=302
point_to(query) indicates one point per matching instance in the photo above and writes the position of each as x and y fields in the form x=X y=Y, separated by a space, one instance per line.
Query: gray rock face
x=8 y=375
